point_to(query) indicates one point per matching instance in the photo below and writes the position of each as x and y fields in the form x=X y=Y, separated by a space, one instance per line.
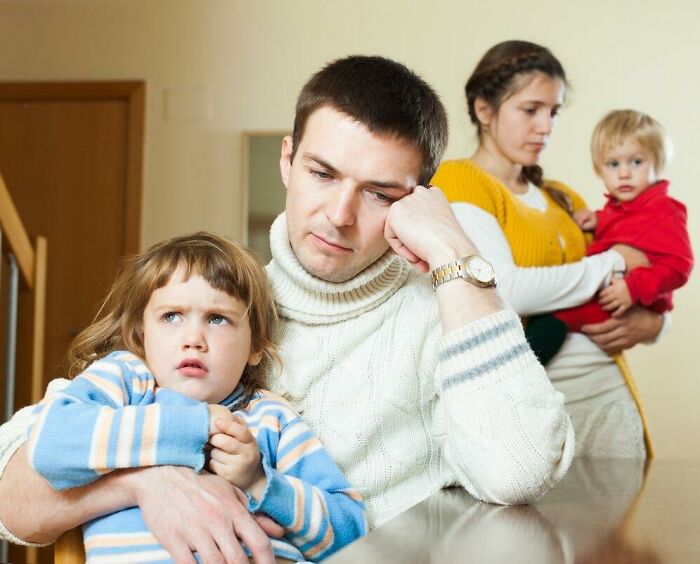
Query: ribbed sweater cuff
x=487 y=350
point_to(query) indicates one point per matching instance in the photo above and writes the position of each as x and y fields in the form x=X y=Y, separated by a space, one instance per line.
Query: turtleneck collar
x=303 y=297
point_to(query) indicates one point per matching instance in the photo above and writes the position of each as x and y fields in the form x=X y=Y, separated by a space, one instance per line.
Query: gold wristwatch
x=473 y=269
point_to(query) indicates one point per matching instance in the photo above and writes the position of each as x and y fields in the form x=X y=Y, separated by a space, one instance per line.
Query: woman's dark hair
x=498 y=75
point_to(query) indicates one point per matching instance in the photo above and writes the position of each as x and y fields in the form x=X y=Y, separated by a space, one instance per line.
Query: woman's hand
x=634 y=258
x=637 y=325
x=235 y=456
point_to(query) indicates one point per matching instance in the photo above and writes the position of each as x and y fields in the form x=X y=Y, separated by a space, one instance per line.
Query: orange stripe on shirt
x=293 y=456
x=100 y=440
x=298 y=523
x=325 y=542
x=149 y=436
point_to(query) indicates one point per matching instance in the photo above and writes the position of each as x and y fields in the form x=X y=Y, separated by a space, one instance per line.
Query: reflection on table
x=605 y=510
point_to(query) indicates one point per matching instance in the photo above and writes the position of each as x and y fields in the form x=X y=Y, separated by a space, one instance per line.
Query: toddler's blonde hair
x=620 y=125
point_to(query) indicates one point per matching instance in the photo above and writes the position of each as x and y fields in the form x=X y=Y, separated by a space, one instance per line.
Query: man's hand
x=637 y=325
x=235 y=456
x=634 y=258
x=422 y=228
x=203 y=513
x=587 y=220
x=615 y=298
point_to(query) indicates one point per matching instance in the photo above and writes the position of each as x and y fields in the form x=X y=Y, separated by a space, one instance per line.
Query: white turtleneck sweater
x=403 y=409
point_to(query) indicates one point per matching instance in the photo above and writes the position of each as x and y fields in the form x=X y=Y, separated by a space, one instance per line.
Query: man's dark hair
x=385 y=97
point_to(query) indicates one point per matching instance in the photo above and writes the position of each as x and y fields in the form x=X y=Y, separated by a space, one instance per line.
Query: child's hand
x=235 y=456
x=217 y=411
x=615 y=298
x=587 y=220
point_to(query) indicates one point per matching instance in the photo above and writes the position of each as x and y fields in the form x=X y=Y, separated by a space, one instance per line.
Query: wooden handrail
x=15 y=238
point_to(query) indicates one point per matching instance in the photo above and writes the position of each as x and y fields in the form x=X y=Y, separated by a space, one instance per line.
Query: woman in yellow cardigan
x=522 y=224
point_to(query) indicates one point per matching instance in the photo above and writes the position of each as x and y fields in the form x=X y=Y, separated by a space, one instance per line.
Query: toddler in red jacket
x=629 y=152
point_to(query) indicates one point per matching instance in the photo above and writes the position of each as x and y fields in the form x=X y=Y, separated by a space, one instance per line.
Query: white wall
x=238 y=64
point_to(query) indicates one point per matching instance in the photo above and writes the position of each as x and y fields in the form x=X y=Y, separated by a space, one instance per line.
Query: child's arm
x=616 y=298
x=106 y=419
x=646 y=284
x=643 y=285
x=303 y=489
x=670 y=263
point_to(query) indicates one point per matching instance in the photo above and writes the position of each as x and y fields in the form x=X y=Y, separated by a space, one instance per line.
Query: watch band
x=457 y=269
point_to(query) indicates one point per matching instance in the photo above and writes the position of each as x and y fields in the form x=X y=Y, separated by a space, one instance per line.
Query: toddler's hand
x=587 y=220
x=217 y=411
x=615 y=298
x=235 y=456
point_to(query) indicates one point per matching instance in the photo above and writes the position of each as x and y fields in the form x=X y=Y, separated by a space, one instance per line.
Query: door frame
x=133 y=92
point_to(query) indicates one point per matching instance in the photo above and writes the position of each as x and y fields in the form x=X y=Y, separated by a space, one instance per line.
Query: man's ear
x=483 y=111
x=286 y=159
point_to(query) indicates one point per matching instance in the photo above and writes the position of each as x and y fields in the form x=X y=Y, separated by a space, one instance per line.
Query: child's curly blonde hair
x=226 y=265
x=618 y=126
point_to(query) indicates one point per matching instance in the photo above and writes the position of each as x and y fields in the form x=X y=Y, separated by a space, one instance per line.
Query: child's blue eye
x=170 y=316
x=218 y=320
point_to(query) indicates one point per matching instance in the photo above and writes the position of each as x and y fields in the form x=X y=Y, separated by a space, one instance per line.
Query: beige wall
x=234 y=65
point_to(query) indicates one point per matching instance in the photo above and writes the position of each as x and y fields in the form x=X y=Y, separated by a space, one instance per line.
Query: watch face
x=481 y=270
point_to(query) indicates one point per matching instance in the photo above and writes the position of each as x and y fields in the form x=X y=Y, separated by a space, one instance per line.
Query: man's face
x=340 y=186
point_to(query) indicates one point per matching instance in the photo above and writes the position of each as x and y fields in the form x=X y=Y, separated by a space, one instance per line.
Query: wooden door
x=71 y=156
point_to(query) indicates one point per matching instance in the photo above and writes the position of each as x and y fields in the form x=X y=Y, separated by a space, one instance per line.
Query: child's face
x=197 y=339
x=627 y=171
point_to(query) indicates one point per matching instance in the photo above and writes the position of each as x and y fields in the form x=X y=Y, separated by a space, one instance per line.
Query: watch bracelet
x=449 y=271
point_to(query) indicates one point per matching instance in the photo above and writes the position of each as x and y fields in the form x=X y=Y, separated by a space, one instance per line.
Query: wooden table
x=604 y=510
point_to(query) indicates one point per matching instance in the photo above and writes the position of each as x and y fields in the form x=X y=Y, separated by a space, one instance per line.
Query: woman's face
x=519 y=130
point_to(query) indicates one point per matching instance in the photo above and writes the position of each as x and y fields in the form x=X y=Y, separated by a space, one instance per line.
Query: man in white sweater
x=412 y=384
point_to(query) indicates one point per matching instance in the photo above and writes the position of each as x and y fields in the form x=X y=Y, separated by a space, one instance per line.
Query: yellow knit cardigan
x=535 y=237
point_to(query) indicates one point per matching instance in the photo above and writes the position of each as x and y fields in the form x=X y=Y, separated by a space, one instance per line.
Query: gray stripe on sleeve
x=490 y=366
x=490 y=335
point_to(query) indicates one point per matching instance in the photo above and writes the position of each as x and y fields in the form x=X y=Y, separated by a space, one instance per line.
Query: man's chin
x=330 y=273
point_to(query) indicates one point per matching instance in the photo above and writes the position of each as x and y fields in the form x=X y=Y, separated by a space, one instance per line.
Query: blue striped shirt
x=114 y=416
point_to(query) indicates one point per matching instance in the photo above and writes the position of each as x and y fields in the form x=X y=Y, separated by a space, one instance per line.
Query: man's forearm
x=34 y=512
x=461 y=302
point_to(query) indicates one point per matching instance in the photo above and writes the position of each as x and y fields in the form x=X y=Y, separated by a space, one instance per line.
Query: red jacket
x=655 y=224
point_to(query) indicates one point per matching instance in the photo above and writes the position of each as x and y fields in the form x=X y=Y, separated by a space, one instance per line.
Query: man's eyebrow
x=387 y=185
x=329 y=167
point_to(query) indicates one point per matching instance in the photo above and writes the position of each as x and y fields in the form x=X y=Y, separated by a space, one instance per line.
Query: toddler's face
x=627 y=171
x=197 y=339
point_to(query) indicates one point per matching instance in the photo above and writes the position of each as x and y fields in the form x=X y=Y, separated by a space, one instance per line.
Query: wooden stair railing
x=26 y=269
